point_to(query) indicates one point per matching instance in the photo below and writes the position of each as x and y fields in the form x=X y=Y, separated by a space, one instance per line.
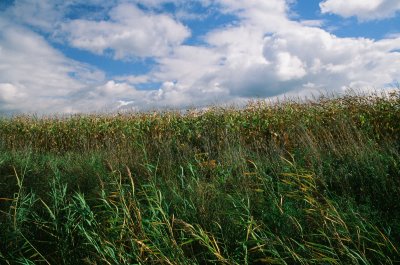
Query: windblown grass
x=290 y=183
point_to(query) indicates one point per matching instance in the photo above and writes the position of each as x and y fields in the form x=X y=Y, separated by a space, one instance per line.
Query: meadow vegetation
x=313 y=182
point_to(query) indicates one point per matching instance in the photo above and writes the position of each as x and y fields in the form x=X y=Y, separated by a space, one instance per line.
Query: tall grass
x=292 y=183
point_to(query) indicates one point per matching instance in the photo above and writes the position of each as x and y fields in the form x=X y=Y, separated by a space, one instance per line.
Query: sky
x=79 y=56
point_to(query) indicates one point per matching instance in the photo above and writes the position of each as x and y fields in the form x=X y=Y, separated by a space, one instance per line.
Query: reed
x=315 y=182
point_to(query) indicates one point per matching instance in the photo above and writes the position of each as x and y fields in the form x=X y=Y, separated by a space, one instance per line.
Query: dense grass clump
x=291 y=183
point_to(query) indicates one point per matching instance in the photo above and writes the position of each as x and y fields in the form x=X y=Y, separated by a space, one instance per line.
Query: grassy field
x=289 y=183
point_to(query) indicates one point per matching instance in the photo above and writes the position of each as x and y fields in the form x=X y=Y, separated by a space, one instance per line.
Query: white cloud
x=190 y=77
x=363 y=9
x=246 y=7
x=10 y=93
x=267 y=15
x=242 y=62
x=134 y=79
x=312 y=22
x=34 y=77
x=289 y=66
x=262 y=54
x=130 y=32
x=40 y=14
x=334 y=62
x=47 y=15
x=188 y=64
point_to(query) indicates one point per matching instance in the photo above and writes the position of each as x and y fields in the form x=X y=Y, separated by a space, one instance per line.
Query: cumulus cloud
x=34 y=76
x=267 y=15
x=333 y=62
x=363 y=9
x=261 y=54
x=9 y=94
x=47 y=15
x=159 y=3
x=256 y=59
x=39 y=14
x=130 y=32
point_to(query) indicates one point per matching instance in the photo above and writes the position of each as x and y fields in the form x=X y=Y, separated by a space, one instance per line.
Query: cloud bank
x=129 y=33
x=261 y=53
x=362 y=9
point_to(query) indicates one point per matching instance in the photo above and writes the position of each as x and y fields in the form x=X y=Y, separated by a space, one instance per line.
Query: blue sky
x=96 y=55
